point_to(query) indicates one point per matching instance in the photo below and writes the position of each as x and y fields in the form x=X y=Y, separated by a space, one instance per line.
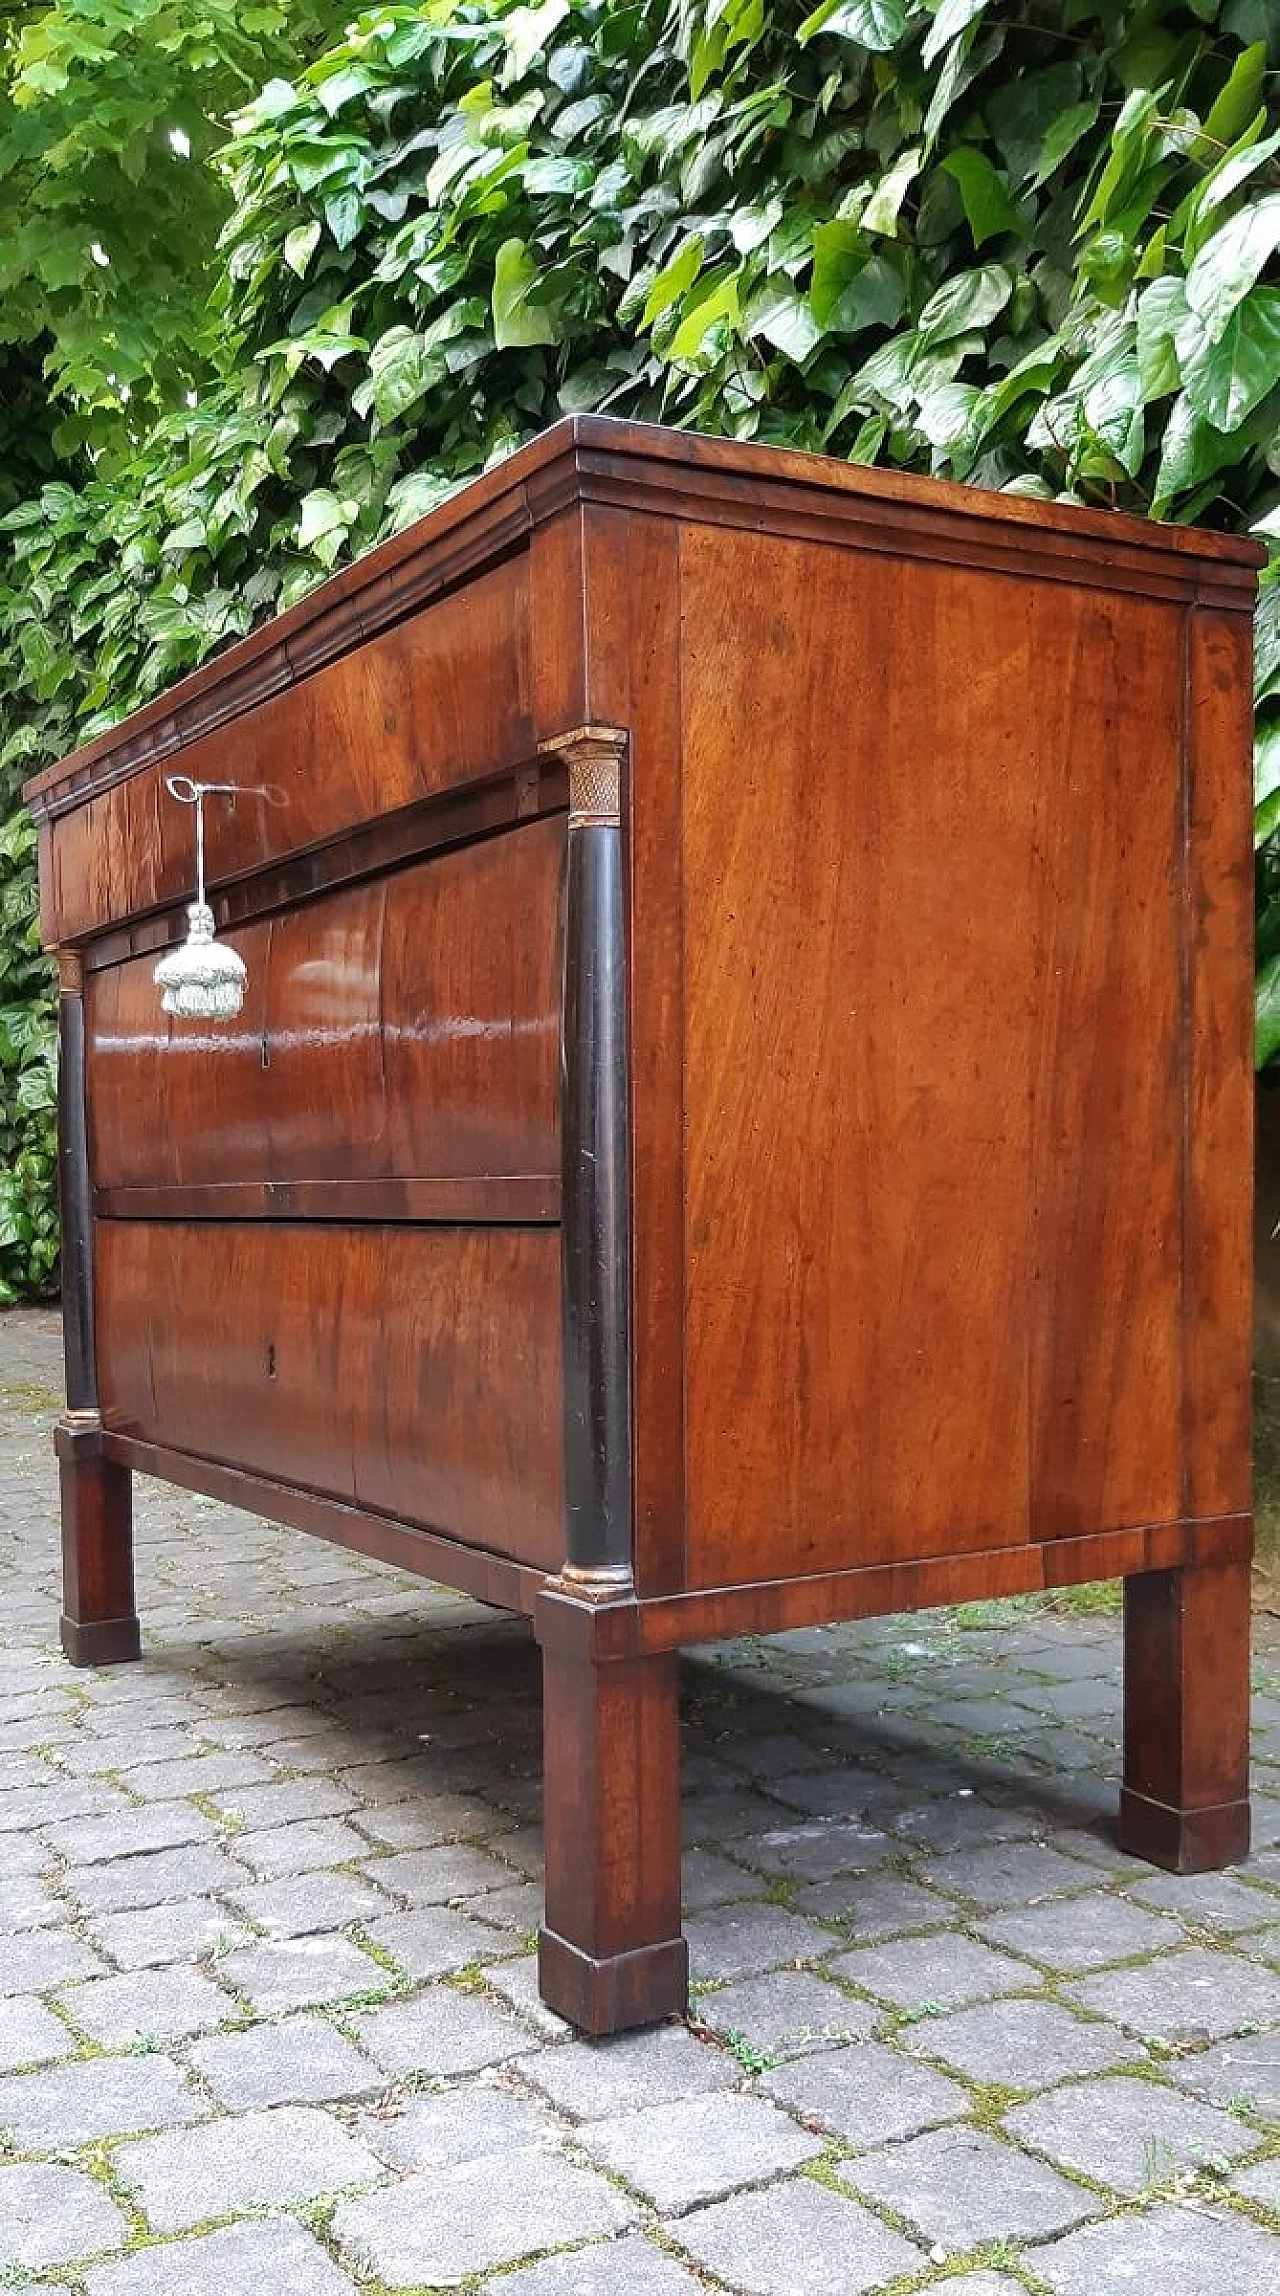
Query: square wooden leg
x=99 y=1618
x=1185 y=1799
x=610 y=1952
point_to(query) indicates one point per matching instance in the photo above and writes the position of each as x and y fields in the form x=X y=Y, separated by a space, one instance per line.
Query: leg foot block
x=1183 y=1841
x=611 y=1996
x=101 y=1641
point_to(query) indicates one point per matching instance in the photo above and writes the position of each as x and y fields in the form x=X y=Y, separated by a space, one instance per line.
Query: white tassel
x=204 y=979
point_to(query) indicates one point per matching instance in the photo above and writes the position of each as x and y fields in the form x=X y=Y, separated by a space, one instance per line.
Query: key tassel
x=205 y=978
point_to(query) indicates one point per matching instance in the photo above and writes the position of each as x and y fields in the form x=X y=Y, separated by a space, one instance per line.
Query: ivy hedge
x=1031 y=247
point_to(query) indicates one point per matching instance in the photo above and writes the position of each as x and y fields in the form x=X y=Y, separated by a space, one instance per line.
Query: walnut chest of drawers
x=741 y=1111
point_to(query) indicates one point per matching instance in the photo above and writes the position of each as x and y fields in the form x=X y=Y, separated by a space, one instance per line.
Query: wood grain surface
x=404 y=1029
x=415 y=1371
x=933 y=1184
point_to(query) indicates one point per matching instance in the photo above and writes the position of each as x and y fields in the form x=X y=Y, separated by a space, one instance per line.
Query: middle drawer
x=402 y=1031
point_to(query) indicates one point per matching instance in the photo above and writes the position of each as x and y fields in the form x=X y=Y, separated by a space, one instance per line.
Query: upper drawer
x=399 y=1043
x=439 y=700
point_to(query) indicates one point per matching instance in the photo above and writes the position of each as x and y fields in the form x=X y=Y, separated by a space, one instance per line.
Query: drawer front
x=398 y=1037
x=440 y=700
x=416 y=1371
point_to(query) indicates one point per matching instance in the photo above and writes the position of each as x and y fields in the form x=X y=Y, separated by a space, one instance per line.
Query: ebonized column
x=595 y=1176
x=99 y=1620
x=610 y=1952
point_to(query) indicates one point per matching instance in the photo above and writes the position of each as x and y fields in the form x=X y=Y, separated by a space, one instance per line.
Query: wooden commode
x=741 y=1112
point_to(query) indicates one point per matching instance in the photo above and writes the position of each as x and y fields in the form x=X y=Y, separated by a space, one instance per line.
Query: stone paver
x=593 y=2080
x=439 y=2033
x=292 y=1973
x=699 y=2149
x=155 y=1934
x=980 y=2284
x=1261 y=2184
x=31 y=2035
x=120 y=1884
x=269 y=2016
x=734 y=1940
x=37 y=1959
x=433 y=2231
x=874 y=1905
x=150 y=2004
x=1023 y=2044
x=516 y=1982
x=278 y=2258
x=631 y=2266
x=256 y=2160
x=306 y=1847
x=296 y=1908
x=867 y=2094
x=1179 y=2251
x=434 y=1940
x=461 y=2123
x=787 y=2013
x=817 y=1851
x=959 y=2187
x=1211 y=1900
x=301 y=2061
x=1075 y=1933
x=1128 y=2134
x=1245 y=2070
x=99 y=2097
x=94 y=1841
x=797 y=2240
x=1009 y=1873
x=1197 y=1993
x=26 y=1902
x=49 y=2215
x=447 y=1870
x=948 y=1970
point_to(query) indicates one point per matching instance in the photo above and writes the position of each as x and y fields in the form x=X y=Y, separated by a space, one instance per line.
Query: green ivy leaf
x=320 y=514
x=1267 y=1013
x=885 y=204
x=1228 y=378
x=1266 y=779
x=1266 y=638
x=1191 y=451
x=1238 y=101
x=674 y=280
x=989 y=211
x=1225 y=269
x=874 y=24
x=953 y=18
x=401 y=370
x=518 y=322
x=971 y=299
x=1169 y=336
x=786 y=320
x=714 y=300
x=300 y=246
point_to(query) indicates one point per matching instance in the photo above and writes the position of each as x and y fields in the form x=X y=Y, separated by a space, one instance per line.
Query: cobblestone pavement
x=268 y=2019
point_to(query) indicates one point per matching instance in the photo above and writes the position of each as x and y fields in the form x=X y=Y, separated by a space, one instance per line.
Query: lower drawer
x=412 y=1370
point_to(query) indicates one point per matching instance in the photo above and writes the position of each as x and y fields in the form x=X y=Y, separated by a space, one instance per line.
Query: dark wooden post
x=595 y=1173
x=1184 y=1803
x=610 y=1952
x=99 y=1618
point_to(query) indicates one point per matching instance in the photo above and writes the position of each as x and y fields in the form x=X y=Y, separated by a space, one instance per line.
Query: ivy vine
x=1030 y=247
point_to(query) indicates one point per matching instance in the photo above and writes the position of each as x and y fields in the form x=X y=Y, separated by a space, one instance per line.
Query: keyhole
x=271 y=1359
x=266 y=1055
